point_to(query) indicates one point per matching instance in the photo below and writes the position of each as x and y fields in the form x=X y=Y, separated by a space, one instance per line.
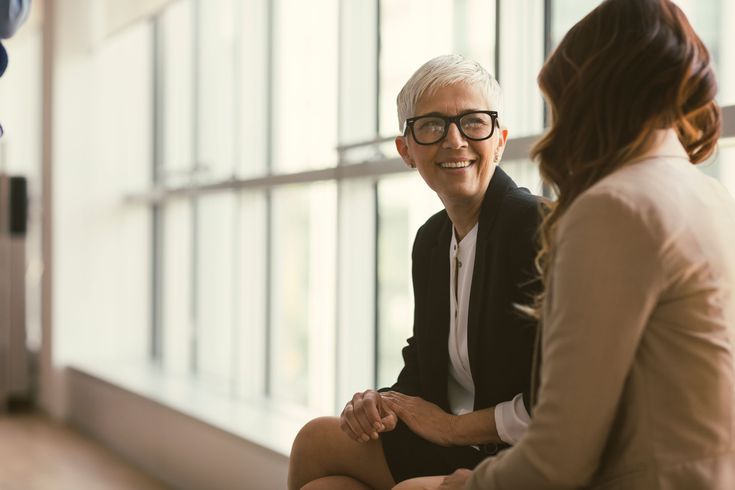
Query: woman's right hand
x=366 y=416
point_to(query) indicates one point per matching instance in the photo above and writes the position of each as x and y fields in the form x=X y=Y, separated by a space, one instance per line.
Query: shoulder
x=623 y=204
x=649 y=192
x=520 y=209
x=430 y=231
x=667 y=200
x=521 y=200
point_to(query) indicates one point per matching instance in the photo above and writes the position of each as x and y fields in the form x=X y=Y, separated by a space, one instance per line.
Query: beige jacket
x=637 y=379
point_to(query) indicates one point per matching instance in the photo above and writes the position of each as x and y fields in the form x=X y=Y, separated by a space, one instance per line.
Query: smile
x=460 y=164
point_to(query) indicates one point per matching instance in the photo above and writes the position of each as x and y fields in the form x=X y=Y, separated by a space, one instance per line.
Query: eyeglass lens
x=473 y=125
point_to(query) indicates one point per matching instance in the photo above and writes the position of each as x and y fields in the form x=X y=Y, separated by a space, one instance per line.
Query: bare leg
x=322 y=450
x=421 y=483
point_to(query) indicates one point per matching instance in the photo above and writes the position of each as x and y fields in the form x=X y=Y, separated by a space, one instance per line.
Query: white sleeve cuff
x=511 y=420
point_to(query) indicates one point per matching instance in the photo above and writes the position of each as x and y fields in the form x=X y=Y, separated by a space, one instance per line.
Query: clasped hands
x=370 y=413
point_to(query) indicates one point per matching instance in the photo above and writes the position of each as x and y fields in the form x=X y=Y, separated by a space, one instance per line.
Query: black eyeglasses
x=475 y=126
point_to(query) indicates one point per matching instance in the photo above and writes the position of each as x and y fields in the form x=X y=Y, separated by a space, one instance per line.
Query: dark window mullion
x=194 y=263
x=157 y=222
x=270 y=70
x=236 y=289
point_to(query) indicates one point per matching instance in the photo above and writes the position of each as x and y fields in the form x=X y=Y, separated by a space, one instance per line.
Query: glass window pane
x=251 y=86
x=176 y=286
x=566 y=13
x=305 y=84
x=250 y=301
x=215 y=109
x=303 y=295
x=712 y=19
x=358 y=85
x=719 y=164
x=176 y=93
x=414 y=31
x=120 y=237
x=215 y=286
x=404 y=203
x=524 y=173
x=356 y=294
x=103 y=255
x=521 y=31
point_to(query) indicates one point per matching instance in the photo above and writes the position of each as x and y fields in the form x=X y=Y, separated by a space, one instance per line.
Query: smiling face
x=457 y=169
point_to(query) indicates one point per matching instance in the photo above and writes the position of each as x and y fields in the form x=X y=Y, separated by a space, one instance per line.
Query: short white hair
x=443 y=71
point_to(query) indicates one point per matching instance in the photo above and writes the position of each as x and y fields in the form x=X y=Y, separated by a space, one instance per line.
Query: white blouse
x=511 y=417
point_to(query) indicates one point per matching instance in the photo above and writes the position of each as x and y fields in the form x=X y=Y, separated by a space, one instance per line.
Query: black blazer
x=501 y=339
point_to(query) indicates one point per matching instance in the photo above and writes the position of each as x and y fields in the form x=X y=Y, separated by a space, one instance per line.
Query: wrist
x=474 y=428
x=454 y=431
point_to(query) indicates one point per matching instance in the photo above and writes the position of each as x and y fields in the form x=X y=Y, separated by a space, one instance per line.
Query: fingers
x=389 y=421
x=356 y=417
x=366 y=413
x=371 y=402
x=346 y=423
x=392 y=405
x=396 y=395
x=370 y=413
x=395 y=405
x=404 y=408
x=357 y=420
x=393 y=412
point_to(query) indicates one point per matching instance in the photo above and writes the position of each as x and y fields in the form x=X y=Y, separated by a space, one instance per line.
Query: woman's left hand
x=422 y=417
x=457 y=480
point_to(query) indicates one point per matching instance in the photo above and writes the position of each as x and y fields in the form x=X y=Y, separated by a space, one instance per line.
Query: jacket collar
x=666 y=144
x=499 y=185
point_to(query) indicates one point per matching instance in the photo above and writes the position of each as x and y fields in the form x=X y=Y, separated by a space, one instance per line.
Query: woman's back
x=675 y=420
x=635 y=364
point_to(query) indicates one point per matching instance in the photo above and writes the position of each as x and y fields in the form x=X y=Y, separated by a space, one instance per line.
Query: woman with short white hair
x=463 y=391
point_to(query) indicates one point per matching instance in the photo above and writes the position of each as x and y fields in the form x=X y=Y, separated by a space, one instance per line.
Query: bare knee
x=305 y=463
x=312 y=436
x=322 y=450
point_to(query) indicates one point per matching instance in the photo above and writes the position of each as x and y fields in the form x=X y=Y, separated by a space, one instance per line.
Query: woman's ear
x=502 y=138
x=402 y=147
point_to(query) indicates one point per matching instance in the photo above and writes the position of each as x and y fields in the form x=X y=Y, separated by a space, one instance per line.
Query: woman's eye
x=474 y=122
x=431 y=126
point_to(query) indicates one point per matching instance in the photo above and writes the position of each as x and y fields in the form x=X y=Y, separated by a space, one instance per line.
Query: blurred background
x=219 y=227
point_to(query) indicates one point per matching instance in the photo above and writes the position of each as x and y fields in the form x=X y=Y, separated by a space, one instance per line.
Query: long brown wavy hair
x=627 y=69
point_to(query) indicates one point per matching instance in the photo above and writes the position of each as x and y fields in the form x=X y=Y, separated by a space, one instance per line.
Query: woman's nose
x=454 y=138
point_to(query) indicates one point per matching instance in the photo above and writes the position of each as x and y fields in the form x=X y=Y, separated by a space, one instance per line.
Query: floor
x=39 y=454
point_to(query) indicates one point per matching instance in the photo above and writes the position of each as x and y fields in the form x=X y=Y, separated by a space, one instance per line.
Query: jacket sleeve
x=526 y=281
x=607 y=276
x=408 y=379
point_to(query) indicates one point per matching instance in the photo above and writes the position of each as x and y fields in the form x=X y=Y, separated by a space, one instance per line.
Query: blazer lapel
x=499 y=185
x=438 y=295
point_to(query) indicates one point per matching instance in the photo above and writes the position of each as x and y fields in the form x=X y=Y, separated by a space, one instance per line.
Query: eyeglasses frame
x=449 y=120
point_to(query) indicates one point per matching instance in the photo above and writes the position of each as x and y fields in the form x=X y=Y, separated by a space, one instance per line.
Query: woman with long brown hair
x=635 y=361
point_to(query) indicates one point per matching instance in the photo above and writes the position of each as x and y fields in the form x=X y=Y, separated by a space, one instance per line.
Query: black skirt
x=409 y=456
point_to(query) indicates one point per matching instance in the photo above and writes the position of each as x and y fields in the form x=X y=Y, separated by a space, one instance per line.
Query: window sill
x=265 y=424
